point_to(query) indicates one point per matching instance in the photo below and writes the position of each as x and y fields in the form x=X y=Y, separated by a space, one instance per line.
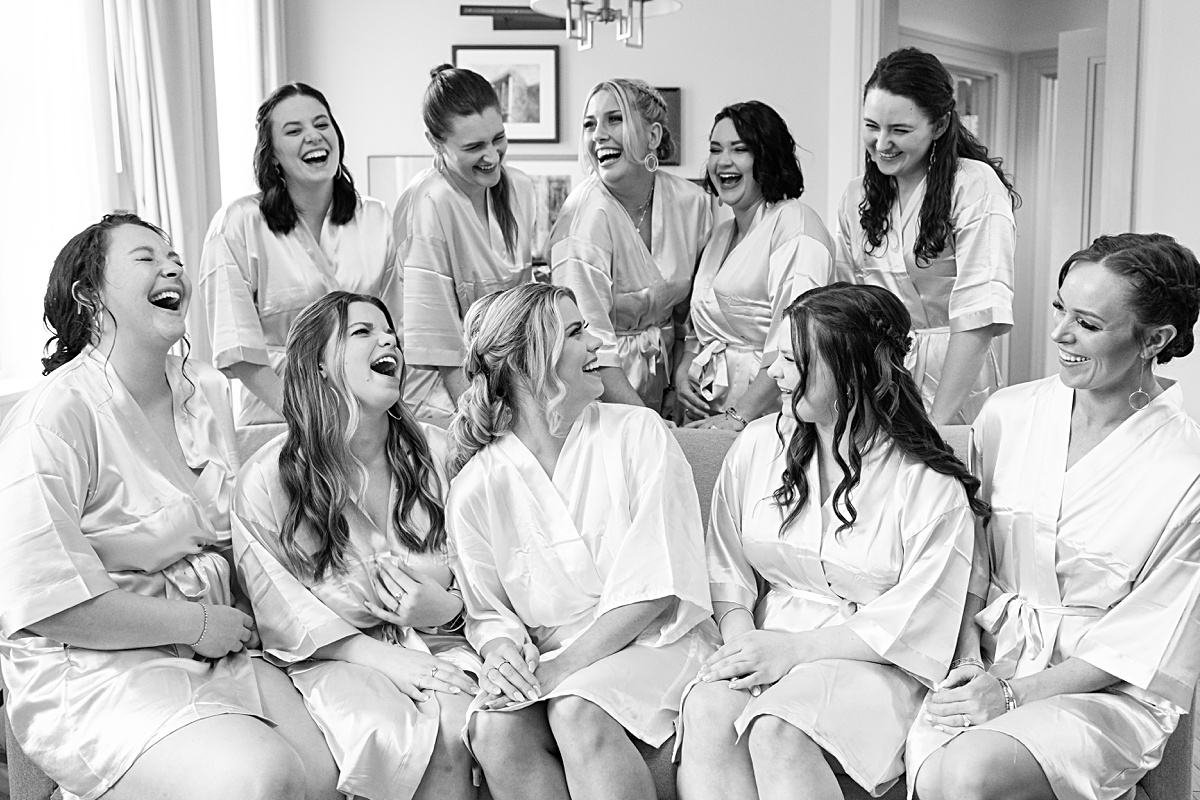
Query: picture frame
x=554 y=178
x=673 y=96
x=525 y=78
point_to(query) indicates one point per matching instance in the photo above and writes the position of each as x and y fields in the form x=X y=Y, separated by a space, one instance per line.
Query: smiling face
x=578 y=367
x=474 y=150
x=371 y=362
x=607 y=141
x=818 y=404
x=1099 y=348
x=898 y=135
x=145 y=290
x=304 y=141
x=731 y=167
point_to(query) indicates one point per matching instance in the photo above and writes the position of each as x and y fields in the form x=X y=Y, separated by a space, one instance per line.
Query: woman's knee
x=985 y=765
x=710 y=710
x=772 y=738
x=582 y=727
x=502 y=739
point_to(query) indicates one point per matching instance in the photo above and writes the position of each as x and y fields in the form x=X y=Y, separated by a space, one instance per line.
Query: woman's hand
x=720 y=422
x=243 y=604
x=694 y=406
x=226 y=631
x=969 y=696
x=551 y=673
x=411 y=600
x=508 y=672
x=753 y=660
x=417 y=674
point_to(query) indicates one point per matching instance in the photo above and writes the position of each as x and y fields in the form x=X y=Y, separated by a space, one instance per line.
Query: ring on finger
x=433 y=674
x=966 y=720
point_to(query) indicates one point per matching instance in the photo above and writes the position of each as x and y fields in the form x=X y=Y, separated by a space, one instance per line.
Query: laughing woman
x=268 y=255
x=341 y=541
x=628 y=239
x=123 y=654
x=463 y=230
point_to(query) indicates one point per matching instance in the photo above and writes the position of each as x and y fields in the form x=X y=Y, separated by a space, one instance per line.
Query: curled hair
x=72 y=307
x=454 y=93
x=919 y=76
x=641 y=107
x=1164 y=282
x=861 y=333
x=513 y=340
x=274 y=201
x=316 y=466
x=776 y=168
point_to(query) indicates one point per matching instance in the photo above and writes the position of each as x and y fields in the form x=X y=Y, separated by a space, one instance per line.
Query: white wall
x=1017 y=26
x=372 y=60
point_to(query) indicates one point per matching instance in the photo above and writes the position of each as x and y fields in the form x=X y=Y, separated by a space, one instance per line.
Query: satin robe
x=450 y=260
x=898 y=579
x=380 y=738
x=541 y=558
x=626 y=293
x=93 y=502
x=740 y=294
x=252 y=284
x=1100 y=562
x=968 y=286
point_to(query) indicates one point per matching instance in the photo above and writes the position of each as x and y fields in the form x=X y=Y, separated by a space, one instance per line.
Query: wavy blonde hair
x=513 y=339
x=641 y=106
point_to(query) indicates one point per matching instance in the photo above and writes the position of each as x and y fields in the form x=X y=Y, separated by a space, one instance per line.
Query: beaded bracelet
x=1010 y=697
x=203 y=629
x=960 y=662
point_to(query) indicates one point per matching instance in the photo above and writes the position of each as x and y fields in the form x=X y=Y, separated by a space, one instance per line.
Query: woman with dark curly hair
x=627 y=241
x=268 y=255
x=1080 y=656
x=839 y=555
x=773 y=250
x=932 y=220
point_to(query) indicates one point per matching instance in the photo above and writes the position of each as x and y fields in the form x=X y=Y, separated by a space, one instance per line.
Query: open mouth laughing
x=607 y=155
x=316 y=157
x=168 y=299
x=385 y=365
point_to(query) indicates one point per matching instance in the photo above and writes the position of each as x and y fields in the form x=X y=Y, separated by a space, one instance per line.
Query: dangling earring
x=650 y=162
x=439 y=162
x=1140 y=399
x=933 y=153
x=83 y=307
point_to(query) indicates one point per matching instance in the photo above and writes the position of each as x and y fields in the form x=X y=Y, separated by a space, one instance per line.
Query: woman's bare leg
x=448 y=774
x=599 y=759
x=788 y=763
x=982 y=765
x=518 y=754
x=713 y=764
x=284 y=705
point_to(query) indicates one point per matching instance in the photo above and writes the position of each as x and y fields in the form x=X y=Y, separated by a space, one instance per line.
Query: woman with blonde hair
x=580 y=556
x=628 y=239
x=340 y=537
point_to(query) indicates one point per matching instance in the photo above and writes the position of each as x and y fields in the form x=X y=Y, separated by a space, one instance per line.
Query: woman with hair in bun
x=839 y=555
x=123 y=636
x=773 y=250
x=463 y=229
x=268 y=255
x=580 y=556
x=1082 y=651
x=627 y=240
x=340 y=537
x=931 y=219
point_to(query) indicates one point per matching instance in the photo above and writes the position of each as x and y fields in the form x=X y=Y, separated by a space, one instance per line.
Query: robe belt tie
x=1024 y=629
x=846 y=607
x=648 y=342
x=709 y=371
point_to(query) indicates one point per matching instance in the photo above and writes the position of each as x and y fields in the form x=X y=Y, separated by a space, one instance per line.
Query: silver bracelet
x=727 y=612
x=204 y=629
x=733 y=414
x=1010 y=697
x=959 y=662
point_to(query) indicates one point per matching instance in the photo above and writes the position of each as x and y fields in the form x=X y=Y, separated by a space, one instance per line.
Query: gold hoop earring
x=1140 y=398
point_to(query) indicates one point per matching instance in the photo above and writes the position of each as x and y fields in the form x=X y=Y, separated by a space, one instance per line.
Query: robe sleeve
x=984 y=241
x=843 y=261
x=391 y=285
x=292 y=623
x=662 y=552
x=433 y=318
x=731 y=579
x=1151 y=638
x=49 y=565
x=489 y=612
x=582 y=260
x=915 y=623
x=226 y=280
x=797 y=265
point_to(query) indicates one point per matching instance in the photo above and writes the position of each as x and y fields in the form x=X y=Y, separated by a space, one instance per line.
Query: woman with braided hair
x=839 y=555
x=1082 y=650
x=628 y=239
x=580 y=556
x=931 y=219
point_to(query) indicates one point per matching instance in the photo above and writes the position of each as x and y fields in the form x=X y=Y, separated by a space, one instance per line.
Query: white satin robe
x=898 y=579
x=92 y=502
x=1100 y=562
x=968 y=286
x=380 y=738
x=627 y=293
x=541 y=558
x=740 y=294
x=252 y=284
x=449 y=261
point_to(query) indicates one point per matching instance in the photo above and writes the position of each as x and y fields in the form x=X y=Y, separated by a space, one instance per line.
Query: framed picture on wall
x=674 y=123
x=525 y=78
x=553 y=179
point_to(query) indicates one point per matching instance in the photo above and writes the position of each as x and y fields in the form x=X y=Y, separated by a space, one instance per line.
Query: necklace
x=643 y=208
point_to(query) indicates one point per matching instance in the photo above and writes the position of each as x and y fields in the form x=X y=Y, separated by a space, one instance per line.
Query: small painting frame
x=673 y=96
x=526 y=79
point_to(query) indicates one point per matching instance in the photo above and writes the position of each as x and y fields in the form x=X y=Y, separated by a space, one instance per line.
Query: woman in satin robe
x=931 y=219
x=580 y=556
x=463 y=229
x=339 y=532
x=123 y=650
x=627 y=241
x=773 y=250
x=858 y=523
x=1082 y=653
x=268 y=255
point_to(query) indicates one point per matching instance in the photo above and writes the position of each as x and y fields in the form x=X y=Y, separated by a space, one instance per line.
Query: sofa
x=705 y=450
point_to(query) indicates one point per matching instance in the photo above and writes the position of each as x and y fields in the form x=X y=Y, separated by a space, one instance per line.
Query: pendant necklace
x=644 y=207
